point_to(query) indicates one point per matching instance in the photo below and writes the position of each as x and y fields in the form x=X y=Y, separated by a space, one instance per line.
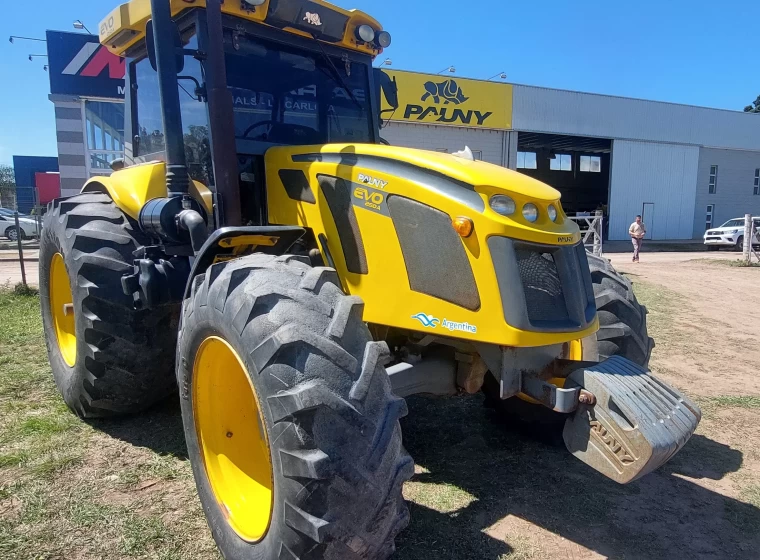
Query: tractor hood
x=478 y=175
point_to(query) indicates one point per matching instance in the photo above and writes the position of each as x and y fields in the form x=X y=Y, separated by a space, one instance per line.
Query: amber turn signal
x=463 y=226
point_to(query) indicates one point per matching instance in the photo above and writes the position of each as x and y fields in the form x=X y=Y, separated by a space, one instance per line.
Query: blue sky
x=695 y=52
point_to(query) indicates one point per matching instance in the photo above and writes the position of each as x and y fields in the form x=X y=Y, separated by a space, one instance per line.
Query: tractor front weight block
x=634 y=424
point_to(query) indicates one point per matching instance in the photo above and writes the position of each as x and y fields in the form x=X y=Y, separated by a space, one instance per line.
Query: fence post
x=20 y=249
x=747 y=237
x=598 y=234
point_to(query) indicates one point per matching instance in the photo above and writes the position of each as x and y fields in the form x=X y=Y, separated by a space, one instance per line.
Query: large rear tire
x=107 y=358
x=318 y=403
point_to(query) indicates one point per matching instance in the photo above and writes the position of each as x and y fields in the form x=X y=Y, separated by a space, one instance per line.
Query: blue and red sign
x=79 y=65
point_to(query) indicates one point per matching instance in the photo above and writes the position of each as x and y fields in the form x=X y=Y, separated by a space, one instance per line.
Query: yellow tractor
x=263 y=249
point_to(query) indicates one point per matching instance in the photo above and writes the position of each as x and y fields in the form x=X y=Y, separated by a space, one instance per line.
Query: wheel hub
x=62 y=310
x=232 y=438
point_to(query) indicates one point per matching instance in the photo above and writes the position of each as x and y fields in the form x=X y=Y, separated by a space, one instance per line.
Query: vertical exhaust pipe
x=177 y=178
x=221 y=119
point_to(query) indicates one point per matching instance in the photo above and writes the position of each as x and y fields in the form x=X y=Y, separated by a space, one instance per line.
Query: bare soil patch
x=123 y=488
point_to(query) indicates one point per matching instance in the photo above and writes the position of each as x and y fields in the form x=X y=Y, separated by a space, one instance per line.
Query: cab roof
x=125 y=25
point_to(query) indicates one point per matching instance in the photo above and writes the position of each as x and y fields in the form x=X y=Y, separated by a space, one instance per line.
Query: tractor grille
x=544 y=297
x=543 y=288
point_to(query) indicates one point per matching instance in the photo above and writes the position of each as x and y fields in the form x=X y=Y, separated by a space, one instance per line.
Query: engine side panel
x=372 y=176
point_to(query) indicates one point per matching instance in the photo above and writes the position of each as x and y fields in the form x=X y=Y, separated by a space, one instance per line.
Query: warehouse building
x=683 y=168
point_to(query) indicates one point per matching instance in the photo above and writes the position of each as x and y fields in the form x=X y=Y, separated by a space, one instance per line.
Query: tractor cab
x=294 y=73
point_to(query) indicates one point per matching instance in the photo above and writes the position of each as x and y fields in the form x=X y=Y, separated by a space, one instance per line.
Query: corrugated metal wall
x=734 y=189
x=662 y=174
x=566 y=112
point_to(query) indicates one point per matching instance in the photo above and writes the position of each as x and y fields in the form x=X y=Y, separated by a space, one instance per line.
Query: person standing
x=637 y=231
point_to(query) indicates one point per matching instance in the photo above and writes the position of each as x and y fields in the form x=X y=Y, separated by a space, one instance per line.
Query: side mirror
x=151 y=46
x=387 y=86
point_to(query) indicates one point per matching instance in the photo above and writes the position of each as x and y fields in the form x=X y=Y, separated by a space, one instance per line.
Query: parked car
x=731 y=234
x=27 y=224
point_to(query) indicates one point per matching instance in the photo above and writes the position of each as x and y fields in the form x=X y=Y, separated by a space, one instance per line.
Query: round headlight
x=384 y=39
x=530 y=212
x=365 y=33
x=502 y=204
x=552 y=211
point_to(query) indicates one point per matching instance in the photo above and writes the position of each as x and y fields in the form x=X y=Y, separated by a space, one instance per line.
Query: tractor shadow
x=159 y=428
x=513 y=481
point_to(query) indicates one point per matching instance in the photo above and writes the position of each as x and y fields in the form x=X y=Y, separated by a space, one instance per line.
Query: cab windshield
x=284 y=96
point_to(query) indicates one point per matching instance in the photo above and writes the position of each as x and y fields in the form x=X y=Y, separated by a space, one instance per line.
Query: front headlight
x=734 y=231
x=530 y=212
x=502 y=204
x=552 y=211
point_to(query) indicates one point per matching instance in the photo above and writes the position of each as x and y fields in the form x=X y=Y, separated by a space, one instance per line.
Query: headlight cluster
x=505 y=206
x=367 y=34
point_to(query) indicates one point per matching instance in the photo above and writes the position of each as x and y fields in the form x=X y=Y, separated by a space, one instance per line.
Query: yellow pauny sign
x=425 y=98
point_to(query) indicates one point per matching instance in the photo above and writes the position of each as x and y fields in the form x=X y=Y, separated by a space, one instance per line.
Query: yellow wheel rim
x=232 y=438
x=62 y=310
x=576 y=350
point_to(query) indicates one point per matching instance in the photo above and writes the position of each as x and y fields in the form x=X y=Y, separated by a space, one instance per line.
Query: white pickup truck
x=731 y=234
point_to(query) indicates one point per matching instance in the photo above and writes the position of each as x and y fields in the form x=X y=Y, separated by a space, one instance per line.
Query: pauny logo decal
x=445 y=93
x=312 y=19
x=427 y=320
x=448 y=90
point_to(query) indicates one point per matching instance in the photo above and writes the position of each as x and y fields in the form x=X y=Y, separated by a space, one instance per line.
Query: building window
x=105 y=135
x=591 y=164
x=709 y=216
x=561 y=162
x=713 y=179
x=477 y=154
x=526 y=160
x=757 y=182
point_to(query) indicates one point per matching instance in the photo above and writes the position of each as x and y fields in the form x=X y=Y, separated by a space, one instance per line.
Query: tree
x=755 y=107
x=7 y=186
x=7 y=176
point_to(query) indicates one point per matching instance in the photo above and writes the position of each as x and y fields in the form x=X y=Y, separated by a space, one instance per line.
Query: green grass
x=70 y=490
x=733 y=401
x=734 y=263
x=664 y=307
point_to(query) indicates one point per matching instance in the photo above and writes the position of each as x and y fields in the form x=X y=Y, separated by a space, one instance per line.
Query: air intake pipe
x=175 y=221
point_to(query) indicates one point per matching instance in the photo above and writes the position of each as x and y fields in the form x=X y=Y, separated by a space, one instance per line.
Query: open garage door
x=578 y=167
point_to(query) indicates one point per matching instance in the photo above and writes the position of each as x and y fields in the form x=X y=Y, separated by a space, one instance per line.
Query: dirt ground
x=123 y=488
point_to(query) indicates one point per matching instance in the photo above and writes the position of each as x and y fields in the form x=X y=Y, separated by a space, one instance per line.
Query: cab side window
x=149 y=132
x=148 y=123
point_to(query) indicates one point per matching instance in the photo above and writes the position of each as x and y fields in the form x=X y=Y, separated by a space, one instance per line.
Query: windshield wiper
x=336 y=74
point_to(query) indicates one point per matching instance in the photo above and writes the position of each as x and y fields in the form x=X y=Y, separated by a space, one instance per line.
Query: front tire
x=739 y=244
x=323 y=409
x=107 y=358
x=622 y=319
